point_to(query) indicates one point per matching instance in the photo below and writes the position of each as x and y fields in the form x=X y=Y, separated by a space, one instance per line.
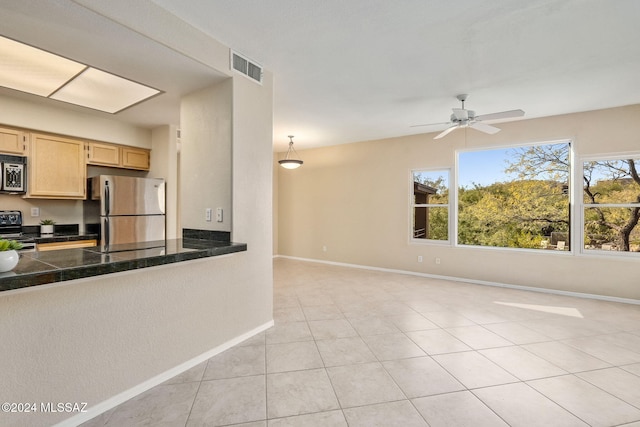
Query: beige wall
x=65 y=121
x=61 y=211
x=89 y=340
x=164 y=164
x=206 y=133
x=353 y=199
x=276 y=187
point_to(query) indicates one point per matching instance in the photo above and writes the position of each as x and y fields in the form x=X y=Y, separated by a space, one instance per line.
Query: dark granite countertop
x=60 y=237
x=39 y=268
x=62 y=233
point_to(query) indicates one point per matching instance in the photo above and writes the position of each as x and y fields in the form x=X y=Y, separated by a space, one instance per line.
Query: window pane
x=612 y=229
x=431 y=187
x=611 y=181
x=431 y=223
x=515 y=197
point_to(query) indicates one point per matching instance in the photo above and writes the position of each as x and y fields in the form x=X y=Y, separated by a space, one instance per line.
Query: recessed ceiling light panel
x=28 y=69
x=32 y=70
x=103 y=91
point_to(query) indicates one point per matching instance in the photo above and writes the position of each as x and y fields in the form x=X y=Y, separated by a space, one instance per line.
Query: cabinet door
x=57 y=168
x=135 y=158
x=103 y=154
x=12 y=141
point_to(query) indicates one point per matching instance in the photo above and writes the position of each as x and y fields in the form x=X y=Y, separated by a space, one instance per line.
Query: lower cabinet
x=66 y=245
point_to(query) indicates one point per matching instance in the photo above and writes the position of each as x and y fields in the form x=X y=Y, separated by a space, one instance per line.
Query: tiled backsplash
x=220 y=236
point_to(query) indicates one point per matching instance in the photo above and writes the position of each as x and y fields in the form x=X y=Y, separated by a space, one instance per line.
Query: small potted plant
x=8 y=256
x=46 y=226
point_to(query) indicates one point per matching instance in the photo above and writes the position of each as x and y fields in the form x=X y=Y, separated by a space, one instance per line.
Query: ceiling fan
x=462 y=117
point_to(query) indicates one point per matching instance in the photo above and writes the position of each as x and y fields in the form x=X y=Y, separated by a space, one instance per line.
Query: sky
x=482 y=167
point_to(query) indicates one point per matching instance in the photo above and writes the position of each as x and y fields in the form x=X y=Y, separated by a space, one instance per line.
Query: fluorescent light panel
x=32 y=70
x=28 y=69
x=103 y=91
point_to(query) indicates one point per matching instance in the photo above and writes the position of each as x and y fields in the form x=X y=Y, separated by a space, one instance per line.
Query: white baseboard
x=471 y=281
x=116 y=400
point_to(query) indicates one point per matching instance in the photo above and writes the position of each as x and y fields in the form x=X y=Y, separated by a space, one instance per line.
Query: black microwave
x=14 y=174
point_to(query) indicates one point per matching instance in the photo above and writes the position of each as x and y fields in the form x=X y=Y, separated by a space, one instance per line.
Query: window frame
x=581 y=206
x=413 y=206
x=573 y=210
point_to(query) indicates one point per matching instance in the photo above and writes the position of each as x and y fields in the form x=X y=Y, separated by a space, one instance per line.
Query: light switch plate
x=219 y=214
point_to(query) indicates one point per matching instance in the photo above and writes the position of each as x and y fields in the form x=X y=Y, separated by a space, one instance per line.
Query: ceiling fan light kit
x=462 y=117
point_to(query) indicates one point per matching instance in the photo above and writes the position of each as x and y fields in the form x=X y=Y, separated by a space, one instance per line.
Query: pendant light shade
x=290 y=161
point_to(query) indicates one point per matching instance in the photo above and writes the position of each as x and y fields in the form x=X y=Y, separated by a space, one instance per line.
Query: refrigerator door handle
x=107 y=238
x=107 y=202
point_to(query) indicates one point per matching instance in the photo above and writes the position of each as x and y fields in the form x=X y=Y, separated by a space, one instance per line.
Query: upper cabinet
x=119 y=156
x=57 y=168
x=13 y=141
x=57 y=165
x=103 y=154
x=136 y=158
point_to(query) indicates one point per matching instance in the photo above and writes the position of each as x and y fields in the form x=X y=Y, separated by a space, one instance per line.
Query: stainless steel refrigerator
x=126 y=210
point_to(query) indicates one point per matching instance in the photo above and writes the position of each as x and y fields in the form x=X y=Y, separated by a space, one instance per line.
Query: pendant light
x=289 y=162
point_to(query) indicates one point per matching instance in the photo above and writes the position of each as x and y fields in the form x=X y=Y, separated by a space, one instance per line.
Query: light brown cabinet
x=57 y=165
x=54 y=246
x=118 y=156
x=57 y=168
x=13 y=142
x=136 y=158
x=103 y=154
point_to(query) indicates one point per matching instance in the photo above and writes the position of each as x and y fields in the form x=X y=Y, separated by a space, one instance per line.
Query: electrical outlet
x=438 y=261
x=324 y=249
x=207 y=214
x=35 y=212
x=219 y=214
x=419 y=258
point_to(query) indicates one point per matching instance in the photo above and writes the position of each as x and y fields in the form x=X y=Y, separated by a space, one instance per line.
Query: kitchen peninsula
x=137 y=322
x=40 y=268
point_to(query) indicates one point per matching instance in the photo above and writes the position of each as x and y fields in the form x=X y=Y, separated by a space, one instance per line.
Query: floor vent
x=246 y=66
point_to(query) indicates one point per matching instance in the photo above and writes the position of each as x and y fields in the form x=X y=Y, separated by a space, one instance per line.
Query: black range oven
x=11 y=229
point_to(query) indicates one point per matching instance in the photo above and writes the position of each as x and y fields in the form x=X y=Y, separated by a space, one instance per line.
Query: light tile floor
x=353 y=347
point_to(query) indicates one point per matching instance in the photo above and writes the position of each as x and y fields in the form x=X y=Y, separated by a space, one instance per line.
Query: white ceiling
x=356 y=70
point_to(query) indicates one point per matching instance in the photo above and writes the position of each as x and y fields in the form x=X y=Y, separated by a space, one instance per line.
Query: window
x=515 y=197
x=611 y=205
x=430 y=205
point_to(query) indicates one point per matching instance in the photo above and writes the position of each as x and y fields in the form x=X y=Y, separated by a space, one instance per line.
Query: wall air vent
x=246 y=66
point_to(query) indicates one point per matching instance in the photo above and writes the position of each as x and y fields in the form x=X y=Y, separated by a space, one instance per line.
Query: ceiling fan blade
x=501 y=115
x=431 y=124
x=460 y=113
x=484 y=128
x=446 y=131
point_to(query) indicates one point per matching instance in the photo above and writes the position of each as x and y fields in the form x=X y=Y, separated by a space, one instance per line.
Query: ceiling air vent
x=246 y=66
